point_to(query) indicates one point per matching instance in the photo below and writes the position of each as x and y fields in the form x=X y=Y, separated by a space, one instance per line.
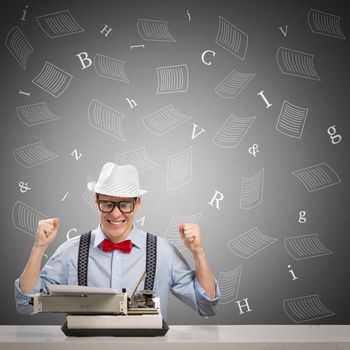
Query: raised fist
x=46 y=232
x=191 y=237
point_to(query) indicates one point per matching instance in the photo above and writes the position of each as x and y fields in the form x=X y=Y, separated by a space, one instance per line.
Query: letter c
x=71 y=230
x=204 y=53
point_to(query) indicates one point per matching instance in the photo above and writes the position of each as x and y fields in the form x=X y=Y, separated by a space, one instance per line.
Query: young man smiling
x=119 y=252
x=117 y=224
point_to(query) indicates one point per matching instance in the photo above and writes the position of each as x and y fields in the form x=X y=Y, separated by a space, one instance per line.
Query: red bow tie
x=125 y=246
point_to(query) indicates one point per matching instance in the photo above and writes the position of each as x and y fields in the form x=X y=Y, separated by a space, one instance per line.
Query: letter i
x=292 y=273
x=24 y=13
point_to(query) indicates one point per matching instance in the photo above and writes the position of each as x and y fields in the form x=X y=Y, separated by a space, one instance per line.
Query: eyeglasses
x=108 y=206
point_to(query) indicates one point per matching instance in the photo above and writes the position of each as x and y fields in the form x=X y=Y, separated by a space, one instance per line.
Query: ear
x=138 y=203
x=95 y=202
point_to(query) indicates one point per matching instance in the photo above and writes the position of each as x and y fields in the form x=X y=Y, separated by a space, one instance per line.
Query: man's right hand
x=46 y=232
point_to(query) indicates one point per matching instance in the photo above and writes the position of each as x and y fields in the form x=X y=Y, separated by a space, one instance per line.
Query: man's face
x=117 y=225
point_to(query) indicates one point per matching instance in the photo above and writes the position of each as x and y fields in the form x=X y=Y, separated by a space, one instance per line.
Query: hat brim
x=115 y=191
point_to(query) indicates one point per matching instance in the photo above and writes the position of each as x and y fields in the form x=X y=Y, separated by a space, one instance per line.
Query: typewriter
x=92 y=311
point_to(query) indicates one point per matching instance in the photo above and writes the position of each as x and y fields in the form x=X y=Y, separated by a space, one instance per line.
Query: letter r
x=216 y=199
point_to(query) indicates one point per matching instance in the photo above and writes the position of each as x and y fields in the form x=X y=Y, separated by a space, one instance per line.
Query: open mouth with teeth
x=116 y=223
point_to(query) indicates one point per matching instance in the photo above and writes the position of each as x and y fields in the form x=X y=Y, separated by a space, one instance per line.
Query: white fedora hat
x=117 y=180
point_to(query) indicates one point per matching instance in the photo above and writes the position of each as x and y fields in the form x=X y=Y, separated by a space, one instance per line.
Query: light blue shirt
x=118 y=270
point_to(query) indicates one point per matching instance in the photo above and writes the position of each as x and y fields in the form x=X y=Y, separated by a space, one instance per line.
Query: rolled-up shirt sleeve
x=54 y=272
x=23 y=300
x=186 y=287
x=206 y=305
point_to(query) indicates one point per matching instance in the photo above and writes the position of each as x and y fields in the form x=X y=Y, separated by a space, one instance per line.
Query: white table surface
x=243 y=337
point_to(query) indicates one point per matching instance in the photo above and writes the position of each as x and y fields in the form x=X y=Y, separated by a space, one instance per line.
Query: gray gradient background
x=265 y=279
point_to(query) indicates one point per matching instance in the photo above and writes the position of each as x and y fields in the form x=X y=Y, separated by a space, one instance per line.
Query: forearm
x=31 y=271
x=203 y=274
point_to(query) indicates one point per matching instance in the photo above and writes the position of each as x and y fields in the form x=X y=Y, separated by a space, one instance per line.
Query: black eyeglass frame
x=116 y=204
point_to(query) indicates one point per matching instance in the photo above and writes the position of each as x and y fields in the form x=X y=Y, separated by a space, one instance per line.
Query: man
x=118 y=252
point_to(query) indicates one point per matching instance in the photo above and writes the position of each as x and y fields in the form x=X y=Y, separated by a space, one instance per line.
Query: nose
x=116 y=211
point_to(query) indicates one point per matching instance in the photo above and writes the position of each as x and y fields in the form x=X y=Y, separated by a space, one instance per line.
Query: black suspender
x=151 y=259
x=83 y=258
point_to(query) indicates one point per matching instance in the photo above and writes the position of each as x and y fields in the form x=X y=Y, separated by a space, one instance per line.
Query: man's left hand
x=191 y=237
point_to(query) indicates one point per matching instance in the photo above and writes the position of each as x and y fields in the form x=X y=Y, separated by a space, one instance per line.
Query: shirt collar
x=134 y=235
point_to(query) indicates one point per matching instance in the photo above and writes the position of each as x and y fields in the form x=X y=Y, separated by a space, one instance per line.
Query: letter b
x=84 y=59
